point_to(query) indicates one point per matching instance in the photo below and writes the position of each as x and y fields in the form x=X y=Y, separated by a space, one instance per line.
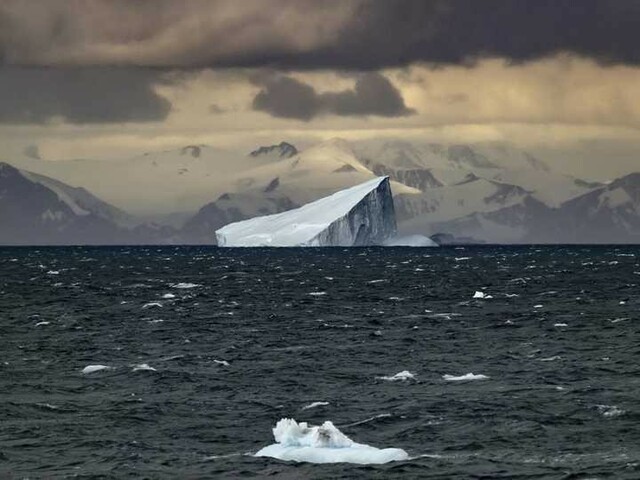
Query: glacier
x=357 y=216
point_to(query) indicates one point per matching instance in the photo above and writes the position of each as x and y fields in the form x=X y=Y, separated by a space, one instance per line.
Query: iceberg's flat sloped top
x=298 y=226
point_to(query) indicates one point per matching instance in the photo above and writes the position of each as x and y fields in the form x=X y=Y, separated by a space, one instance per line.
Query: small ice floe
x=610 y=410
x=168 y=296
x=317 y=294
x=152 y=305
x=95 y=368
x=143 y=367
x=314 y=405
x=622 y=302
x=463 y=378
x=300 y=442
x=560 y=325
x=185 y=285
x=538 y=306
x=400 y=376
x=224 y=363
x=42 y=323
x=480 y=294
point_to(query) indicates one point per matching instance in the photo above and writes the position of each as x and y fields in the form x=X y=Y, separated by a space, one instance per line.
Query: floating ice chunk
x=403 y=375
x=314 y=405
x=224 y=363
x=462 y=378
x=300 y=442
x=185 y=285
x=143 y=367
x=168 y=295
x=480 y=294
x=152 y=305
x=537 y=306
x=95 y=368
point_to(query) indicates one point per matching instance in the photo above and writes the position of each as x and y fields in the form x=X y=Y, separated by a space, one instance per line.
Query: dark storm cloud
x=80 y=95
x=286 y=97
x=308 y=34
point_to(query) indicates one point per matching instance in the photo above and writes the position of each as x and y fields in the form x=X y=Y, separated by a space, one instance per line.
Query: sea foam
x=300 y=442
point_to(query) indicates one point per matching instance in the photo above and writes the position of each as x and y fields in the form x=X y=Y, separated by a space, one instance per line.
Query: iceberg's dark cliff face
x=358 y=216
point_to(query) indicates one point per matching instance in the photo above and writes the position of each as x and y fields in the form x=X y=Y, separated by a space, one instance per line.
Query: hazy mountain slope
x=31 y=213
x=609 y=214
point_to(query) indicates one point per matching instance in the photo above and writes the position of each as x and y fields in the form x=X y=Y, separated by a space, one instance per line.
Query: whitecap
x=221 y=362
x=95 y=368
x=314 y=405
x=300 y=442
x=610 y=410
x=560 y=325
x=480 y=294
x=185 y=285
x=551 y=359
x=317 y=294
x=462 y=378
x=400 y=376
x=152 y=304
x=168 y=295
x=42 y=323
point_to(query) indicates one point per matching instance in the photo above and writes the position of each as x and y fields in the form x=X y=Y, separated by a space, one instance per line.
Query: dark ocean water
x=559 y=341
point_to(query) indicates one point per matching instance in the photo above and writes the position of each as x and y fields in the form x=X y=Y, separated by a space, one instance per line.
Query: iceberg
x=357 y=216
x=299 y=442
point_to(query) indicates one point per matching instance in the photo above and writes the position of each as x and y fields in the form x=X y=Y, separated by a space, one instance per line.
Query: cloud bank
x=313 y=34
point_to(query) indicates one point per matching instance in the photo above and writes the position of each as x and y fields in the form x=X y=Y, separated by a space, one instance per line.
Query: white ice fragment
x=462 y=378
x=95 y=368
x=400 y=376
x=537 y=306
x=300 y=442
x=314 y=405
x=143 y=367
x=168 y=295
x=480 y=294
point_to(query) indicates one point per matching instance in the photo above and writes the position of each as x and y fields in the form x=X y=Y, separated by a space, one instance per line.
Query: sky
x=114 y=78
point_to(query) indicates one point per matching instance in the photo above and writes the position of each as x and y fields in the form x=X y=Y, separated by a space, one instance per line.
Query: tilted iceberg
x=357 y=216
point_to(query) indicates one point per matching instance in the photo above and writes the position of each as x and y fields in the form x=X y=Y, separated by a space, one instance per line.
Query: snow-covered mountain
x=490 y=192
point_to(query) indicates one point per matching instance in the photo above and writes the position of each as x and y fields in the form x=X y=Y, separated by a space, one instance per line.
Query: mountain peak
x=282 y=150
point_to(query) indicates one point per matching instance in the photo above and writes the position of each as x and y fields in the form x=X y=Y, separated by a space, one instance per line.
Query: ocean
x=196 y=353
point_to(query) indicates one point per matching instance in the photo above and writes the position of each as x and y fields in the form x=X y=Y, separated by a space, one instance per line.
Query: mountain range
x=486 y=192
